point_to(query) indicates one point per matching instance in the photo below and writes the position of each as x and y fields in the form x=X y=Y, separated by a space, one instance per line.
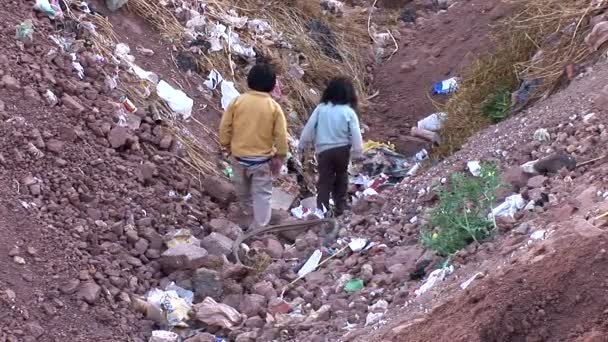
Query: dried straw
x=555 y=27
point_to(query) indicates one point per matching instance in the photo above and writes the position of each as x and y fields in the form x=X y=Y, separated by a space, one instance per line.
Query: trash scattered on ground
x=213 y=313
x=370 y=145
x=229 y=92
x=171 y=306
x=181 y=236
x=470 y=280
x=177 y=100
x=510 y=206
x=163 y=336
x=538 y=235
x=302 y=213
x=128 y=104
x=353 y=286
x=521 y=97
x=357 y=245
x=529 y=167
x=433 y=278
x=430 y=136
x=311 y=264
x=50 y=97
x=228 y=171
x=433 y=122
x=474 y=168
x=445 y=87
x=376 y=312
x=25 y=30
x=52 y=10
x=77 y=66
x=542 y=135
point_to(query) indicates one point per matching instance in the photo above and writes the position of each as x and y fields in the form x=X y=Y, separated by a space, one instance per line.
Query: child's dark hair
x=262 y=77
x=340 y=91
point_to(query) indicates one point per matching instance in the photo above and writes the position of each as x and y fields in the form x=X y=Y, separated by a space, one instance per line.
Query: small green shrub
x=498 y=105
x=461 y=216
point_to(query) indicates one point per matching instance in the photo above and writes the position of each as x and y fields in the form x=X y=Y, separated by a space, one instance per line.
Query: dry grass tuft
x=292 y=18
x=536 y=43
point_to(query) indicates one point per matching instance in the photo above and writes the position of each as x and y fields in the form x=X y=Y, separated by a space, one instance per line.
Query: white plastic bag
x=435 y=277
x=474 y=168
x=510 y=206
x=433 y=122
x=311 y=264
x=177 y=100
x=229 y=93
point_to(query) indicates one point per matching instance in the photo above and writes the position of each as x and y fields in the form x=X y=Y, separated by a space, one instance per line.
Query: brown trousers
x=253 y=187
x=333 y=177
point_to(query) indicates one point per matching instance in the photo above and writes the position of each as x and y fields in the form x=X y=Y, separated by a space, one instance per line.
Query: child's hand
x=276 y=164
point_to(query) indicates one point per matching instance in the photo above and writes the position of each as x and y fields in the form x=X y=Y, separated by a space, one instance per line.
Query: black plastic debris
x=186 y=61
x=321 y=33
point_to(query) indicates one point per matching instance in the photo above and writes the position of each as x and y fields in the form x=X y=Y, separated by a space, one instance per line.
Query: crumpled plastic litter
x=311 y=264
x=111 y=81
x=25 y=30
x=357 y=244
x=529 y=167
x=51 y=9
x=163 y=336
x=123 y=51
x=174 y=304
x=435 y=277
x=302 y=213
x=51 y=98
x=213 y=79
x=77 y=66
x=414 y=169
x=354 y=285
x=369 y=192
x=221 y=36
x=65 y=44
x=542 y=135
x=177 y=100
x=234 y=20
x=213 y=313
x=370 y=145
x=180 y=236
x=510 y=206
x=538 y=235
x=258 y=26
x=469 y=281
x=445 y=87
x=474 y=167
x=229 y=93
x=376 y=312
x=433 y=122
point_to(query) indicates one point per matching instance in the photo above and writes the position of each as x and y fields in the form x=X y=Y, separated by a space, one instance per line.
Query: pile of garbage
x=222 y=42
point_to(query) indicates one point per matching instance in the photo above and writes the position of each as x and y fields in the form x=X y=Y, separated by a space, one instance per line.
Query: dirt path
x=433 y=49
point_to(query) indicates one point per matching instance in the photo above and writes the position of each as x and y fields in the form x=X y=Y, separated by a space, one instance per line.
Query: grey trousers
x=253 y=186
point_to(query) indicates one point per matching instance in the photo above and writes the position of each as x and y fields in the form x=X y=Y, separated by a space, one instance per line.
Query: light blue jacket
x=332 y=126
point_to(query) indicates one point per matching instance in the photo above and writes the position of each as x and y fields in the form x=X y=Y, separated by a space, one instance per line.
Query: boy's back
x=252 y=125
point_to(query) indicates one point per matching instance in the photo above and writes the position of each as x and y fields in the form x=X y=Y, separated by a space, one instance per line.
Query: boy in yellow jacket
x=254 y=130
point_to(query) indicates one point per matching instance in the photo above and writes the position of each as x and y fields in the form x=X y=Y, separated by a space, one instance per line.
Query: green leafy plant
x=461 y=216
x=498 y=105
